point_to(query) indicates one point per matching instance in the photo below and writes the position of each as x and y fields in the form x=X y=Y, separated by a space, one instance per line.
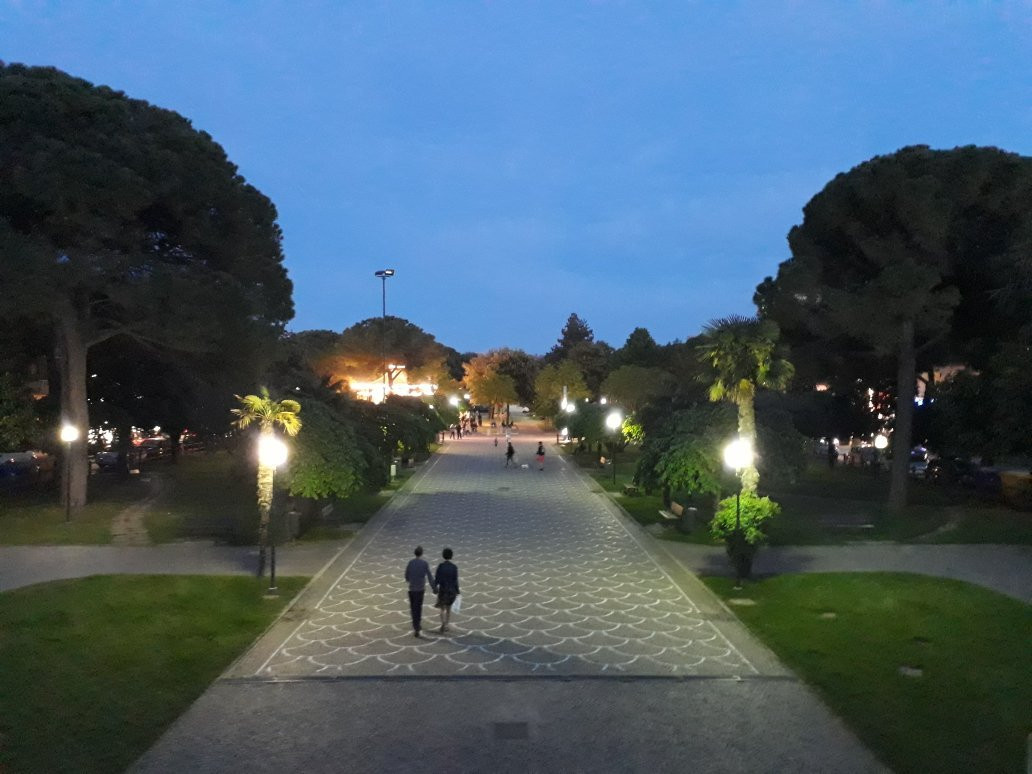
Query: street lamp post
x=738 y=455
x=383 y=274
x=613 y=422
x=272 y=453
x=69 y=435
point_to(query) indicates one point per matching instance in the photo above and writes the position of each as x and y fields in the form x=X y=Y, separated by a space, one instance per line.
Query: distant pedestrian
x=417 y=574
x=509 y=454
x=832 y=453
x=540 y=454
x=496 y=440
x=446 y=579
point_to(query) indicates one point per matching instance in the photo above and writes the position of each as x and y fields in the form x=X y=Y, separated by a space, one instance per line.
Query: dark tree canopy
x=119 y=219
x=576 y=331
x=906 y=256
x=640 y=349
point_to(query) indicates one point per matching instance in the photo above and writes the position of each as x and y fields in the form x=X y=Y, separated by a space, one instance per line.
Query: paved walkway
x=579 y=648
x=26 y=565
x=1003 y=568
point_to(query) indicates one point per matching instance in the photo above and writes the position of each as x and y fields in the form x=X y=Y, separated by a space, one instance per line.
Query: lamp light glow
x=880 y=442
x=272 y=452
x=738 y=454
x=614 y=420
x=69 y=433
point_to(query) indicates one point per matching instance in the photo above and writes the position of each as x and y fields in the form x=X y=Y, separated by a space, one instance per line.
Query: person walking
x=417 y=574
x=446 y=580
x=540 y=455
x=509 y=454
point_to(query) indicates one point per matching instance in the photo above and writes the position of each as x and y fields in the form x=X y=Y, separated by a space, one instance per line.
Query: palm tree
x=268 y=414
x=743 y=353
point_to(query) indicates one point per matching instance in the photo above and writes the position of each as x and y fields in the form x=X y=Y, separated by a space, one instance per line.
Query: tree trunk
x=747 y=430
x=903 y=433
x=71 y=362
x=265 y=478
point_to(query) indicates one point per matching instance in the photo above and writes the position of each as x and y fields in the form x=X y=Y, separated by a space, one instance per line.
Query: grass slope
x=93 y=670
x=970 y=709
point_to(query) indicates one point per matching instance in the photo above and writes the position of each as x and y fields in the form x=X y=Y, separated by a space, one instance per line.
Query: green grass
x=971 y=710
x=206 y=496
x=93 y=670
x=37 y=517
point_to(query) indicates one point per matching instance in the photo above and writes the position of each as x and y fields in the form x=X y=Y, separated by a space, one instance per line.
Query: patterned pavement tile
x=553 y=584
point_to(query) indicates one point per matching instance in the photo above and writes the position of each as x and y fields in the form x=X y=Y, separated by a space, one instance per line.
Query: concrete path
x=579 y=648
x=25 y=565
x=1003 y=568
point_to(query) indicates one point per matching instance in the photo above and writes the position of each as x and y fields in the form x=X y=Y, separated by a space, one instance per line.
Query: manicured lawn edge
x=848 y=635
x=93 y=670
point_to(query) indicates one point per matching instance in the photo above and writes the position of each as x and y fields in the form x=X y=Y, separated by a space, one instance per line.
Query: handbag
x=457 y=604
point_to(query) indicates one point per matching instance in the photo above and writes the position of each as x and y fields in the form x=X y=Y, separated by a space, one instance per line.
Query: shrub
x=756 y=512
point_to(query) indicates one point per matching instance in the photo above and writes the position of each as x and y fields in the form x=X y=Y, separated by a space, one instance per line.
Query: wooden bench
x=631 y=490
x=676 y=511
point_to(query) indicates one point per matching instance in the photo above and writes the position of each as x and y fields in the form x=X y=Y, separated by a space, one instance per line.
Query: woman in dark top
x=446 y=578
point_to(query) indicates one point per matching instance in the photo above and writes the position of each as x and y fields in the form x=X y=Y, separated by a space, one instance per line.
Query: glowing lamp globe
x=272 y=452
x=614 y=420
x=738 y=454
x=880 y=442
x=69 y=433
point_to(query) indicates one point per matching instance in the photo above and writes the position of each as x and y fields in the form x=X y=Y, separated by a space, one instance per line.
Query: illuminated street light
x=880 y=442
x=383 y=274
x=738 y=455
x=454 y=400
x=613 y=421
x=69 y=434
x=272 y=453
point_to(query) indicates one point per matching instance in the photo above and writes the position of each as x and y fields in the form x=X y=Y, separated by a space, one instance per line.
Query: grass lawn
x=970 y=710
x=92 y=671
x=37 y=517
x=205 y=496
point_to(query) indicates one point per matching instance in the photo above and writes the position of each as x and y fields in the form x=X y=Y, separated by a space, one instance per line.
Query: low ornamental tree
x=743 y=532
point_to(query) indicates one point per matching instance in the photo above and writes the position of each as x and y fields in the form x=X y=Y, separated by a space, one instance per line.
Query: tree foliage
x=548 y=387
x=633 y=386
x=906 y=255
x=119 y=219
x=756 y=513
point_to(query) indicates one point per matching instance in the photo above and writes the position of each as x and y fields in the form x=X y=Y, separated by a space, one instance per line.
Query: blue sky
x=637 y=163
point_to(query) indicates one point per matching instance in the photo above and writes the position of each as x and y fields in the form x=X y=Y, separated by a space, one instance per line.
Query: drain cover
x=504 y=488
x=511 y=731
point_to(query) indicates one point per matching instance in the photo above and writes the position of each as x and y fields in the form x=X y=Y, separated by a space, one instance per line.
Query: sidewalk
x=25 y=565
x=1003 y=568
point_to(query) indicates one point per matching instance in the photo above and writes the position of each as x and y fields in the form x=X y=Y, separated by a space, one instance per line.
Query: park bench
x=631 y=490
x=675 y=511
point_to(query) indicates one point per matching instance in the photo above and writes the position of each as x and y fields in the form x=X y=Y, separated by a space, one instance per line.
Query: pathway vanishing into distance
x=579 y=648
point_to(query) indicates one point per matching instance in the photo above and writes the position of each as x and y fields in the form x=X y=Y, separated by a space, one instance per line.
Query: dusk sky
x=637 y=163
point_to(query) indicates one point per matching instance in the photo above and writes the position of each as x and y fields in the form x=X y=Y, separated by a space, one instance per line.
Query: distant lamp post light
x=881 y=442
x=738 y=455
x=613 y=421
x=69 y=434
x=454 y=400
x=272 y=453
x=383 y=274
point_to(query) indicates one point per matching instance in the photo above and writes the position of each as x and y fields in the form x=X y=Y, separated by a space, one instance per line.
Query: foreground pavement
x=579 y=648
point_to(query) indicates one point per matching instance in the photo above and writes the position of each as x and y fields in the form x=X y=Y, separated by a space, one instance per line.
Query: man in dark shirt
x=417 y=574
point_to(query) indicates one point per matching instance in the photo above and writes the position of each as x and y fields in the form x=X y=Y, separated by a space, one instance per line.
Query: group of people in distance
x=444 y=582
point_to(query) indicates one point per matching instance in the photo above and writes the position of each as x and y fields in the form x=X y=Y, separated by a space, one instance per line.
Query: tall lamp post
x=738 y=455
x=383 y=274
x=272 y=453
x=69 y=435
x=613 y=422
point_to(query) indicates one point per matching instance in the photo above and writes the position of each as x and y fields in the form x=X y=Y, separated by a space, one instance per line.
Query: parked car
x=25 y=468
x=951 y=470
x=918 y=461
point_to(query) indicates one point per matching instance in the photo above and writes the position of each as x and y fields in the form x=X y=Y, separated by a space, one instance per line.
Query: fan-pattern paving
x=552 y=582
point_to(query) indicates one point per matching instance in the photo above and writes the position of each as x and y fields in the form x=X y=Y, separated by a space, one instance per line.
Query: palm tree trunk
x=902 y=435
x=747 y=430
x=265 y=479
